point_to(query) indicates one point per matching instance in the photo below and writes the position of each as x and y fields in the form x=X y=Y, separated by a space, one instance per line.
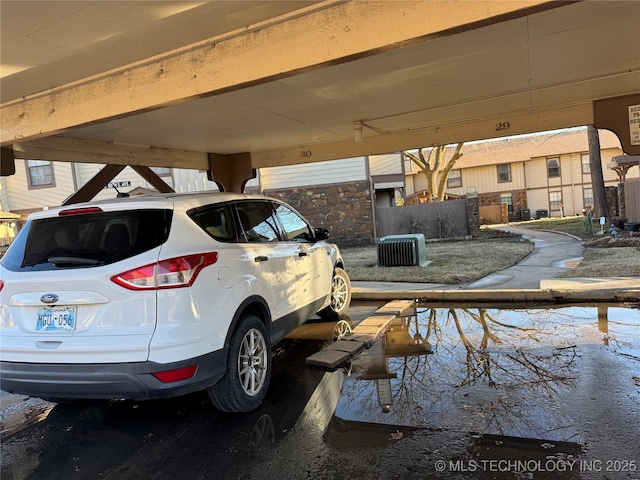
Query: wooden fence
x=495 y=213
x=632 y=199
x=434 y=220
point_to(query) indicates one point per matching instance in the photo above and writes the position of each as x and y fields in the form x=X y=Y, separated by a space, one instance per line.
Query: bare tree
x=601 y=209
x=436 y=168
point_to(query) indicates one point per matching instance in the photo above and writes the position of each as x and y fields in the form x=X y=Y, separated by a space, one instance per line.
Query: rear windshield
x=88 y=240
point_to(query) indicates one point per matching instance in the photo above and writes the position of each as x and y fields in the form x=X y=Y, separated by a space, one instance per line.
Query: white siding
x=22 y=198
x=536 y=172
x=537 y=200
x=388 y=164
x=420 y=182
x=191 y=181
x=319 y=173
x=573 y=200
x=485 y=180
x=572 y=169
x=5 y=204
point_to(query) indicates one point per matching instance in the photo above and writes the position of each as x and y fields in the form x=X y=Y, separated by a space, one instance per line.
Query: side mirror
x=320 y=234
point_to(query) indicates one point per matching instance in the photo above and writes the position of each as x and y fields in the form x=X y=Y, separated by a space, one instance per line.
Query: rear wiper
x=57 y=261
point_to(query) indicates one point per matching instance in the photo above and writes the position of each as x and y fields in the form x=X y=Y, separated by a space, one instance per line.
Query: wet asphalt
x=467 y=392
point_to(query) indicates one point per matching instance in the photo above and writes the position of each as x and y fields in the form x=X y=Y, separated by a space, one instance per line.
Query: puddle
x=464 y=393
x=493 y=371
x=568 y=263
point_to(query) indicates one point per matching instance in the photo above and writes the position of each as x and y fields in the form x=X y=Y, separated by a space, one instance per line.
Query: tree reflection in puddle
x=487 y=370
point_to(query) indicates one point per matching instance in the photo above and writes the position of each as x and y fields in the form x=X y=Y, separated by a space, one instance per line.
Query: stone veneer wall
x=472 y=205
x=612 y=201
x=344 y=209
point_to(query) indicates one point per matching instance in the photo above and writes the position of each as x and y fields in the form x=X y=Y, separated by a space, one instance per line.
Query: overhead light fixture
x=357 y=130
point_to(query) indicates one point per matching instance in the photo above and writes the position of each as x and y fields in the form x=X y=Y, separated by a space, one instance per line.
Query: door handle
x=261 y=259
x=302 y=254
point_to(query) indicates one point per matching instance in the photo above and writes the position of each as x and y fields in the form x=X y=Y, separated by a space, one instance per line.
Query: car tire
x=248 y=368
x=340 y=296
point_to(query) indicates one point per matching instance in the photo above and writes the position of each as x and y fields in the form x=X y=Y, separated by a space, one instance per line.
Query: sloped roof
x=627 y=160
x=521 y=148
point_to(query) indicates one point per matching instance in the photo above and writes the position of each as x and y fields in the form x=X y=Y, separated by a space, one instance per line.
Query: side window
x=454 y=180
x=217 y=221
x=258 y=221
x=553 y=167
x=586 y=163
x=40 y=174
x=295 y=227
x=504 y=173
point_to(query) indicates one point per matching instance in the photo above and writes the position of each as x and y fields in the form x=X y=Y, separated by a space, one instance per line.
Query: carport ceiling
x=286 y=81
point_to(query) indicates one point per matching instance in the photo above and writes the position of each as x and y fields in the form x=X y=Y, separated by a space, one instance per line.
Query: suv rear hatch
x=59 y=302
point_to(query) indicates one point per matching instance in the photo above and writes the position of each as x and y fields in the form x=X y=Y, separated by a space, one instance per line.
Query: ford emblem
x=49 y=298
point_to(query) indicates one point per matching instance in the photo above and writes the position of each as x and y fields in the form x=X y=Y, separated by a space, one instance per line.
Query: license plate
x=56 y=319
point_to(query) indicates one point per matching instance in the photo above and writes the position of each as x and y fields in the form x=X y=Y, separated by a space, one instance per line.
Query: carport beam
x=153 y=178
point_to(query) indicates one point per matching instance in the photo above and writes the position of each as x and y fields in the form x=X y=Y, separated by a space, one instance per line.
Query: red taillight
x=176 y=375
x=171 y=273
x=80 y=211
x=1 y=285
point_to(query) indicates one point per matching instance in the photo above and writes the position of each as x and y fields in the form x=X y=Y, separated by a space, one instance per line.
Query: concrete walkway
x=533 y=279
x=553 y=254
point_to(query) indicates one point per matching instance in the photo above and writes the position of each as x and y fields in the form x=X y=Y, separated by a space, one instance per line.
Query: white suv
x=158 y=296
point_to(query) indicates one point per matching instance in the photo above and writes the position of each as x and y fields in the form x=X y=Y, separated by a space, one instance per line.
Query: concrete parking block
x=362 y=336
x=349 y=346
x=376 y=331
x=396 y=307
x=327 y=358
x=366 y=338
x=376 y=321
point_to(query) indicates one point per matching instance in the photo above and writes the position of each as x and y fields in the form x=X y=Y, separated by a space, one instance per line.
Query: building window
x=587 y=198
x=508 y=199
x=504 y=173
x=162 y=171
x=553 y=167
x=555 y=200
x=586 y=163
x=454 y=180
x=40 y=173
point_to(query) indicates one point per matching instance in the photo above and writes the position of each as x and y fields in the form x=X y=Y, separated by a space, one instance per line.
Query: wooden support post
x=153 y=178
x=93 y=186
x=231 y=172
x=7 y=162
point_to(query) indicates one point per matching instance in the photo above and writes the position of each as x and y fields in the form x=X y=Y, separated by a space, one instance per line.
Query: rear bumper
x=109 y=381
